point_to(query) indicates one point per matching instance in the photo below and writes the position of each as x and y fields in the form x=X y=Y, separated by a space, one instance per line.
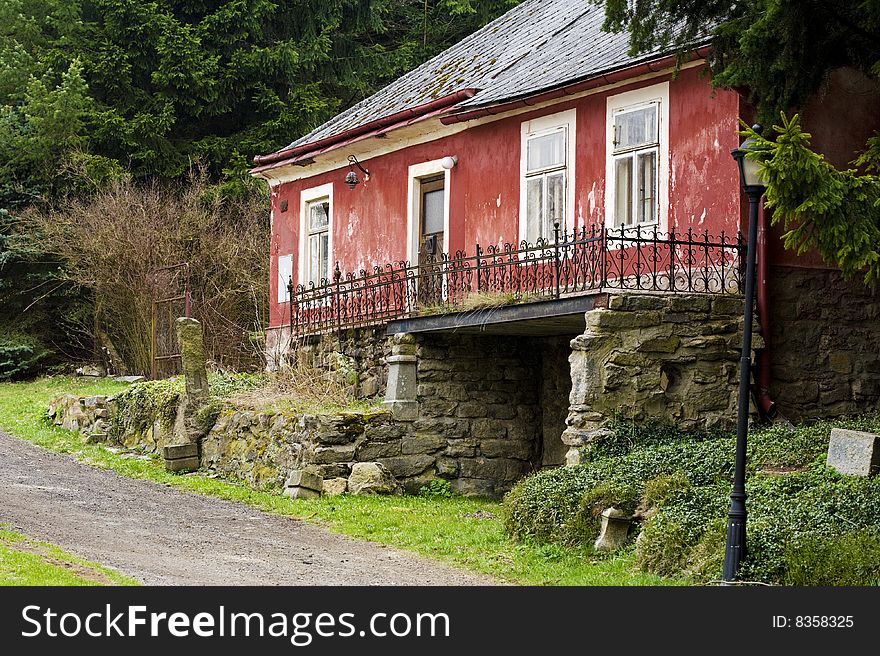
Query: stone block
x=471 y=409
x=371 y=478
x=855 y=453
x=473 y=487
x=369 y=451
x=406 y=466
x=403 y=410
x=447 y=467
x=644 y=302
x=333 y=487
x=175 y=451
x=421 y=443
x=506 y=449
x=182 y=464
x=614 y=530
x=613 y=320
x=466 y=448
x=305 y=478
x=327 y=455
x=727 y=306
x=301 y=493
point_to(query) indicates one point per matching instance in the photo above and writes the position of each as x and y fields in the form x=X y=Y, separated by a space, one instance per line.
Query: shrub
x=852 y=558
x=111 y=244
x=679 y=485
x=20 y=356
x=436 y=488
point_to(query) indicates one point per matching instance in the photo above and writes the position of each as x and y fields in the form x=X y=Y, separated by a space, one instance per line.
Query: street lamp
x=753 y=184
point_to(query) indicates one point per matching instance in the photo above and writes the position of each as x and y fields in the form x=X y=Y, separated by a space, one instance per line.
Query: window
x=637 y=135
x=316 y=235
x=547 y=168
x=285 y=270
x=318 y=241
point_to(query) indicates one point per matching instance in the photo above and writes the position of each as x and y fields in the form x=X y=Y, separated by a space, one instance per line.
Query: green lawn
x=439 y=528
x=24 y=561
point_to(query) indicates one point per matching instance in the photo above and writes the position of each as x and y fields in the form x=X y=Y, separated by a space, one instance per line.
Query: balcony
x=529 y=284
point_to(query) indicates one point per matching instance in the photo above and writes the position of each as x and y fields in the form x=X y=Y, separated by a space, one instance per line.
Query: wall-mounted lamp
x=351 y=179
x=449 y=161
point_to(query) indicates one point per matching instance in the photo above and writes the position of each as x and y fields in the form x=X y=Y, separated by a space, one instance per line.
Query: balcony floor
x=563 y=316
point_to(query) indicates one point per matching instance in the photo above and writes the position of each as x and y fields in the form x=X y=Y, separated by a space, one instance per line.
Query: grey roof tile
x=537 y=45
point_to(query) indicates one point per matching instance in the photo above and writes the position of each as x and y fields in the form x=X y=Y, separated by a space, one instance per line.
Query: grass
x=440 y=528
x=24 y=561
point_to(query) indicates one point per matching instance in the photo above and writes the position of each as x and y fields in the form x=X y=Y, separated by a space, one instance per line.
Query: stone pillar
x=400 y=394
x=192 y=355
x=667 y=357
x=186 y=431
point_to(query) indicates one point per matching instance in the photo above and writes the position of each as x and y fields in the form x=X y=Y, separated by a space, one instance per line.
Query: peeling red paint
x=370 y=221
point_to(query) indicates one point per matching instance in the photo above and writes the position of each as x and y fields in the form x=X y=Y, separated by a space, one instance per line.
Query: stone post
x=183 y=454
x=400 y=394
x=192 y=355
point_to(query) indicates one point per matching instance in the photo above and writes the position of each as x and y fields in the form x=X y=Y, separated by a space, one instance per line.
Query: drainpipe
x=766 y=405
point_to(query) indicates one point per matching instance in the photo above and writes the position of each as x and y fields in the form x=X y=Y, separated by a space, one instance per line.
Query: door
x=432 y=241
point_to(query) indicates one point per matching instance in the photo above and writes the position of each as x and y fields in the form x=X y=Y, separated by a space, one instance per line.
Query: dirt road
x=162 y=536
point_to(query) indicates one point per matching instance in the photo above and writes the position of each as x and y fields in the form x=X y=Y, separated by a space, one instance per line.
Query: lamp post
x=735 y=547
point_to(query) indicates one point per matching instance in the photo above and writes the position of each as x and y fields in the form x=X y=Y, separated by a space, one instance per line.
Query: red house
x=539 y=167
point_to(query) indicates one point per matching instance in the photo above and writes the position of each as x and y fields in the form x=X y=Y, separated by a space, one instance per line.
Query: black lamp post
x=752 y=184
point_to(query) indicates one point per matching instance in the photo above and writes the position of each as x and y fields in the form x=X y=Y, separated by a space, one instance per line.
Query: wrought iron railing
x=587 y=260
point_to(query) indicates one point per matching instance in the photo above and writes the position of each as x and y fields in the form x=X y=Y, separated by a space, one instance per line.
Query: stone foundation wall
x=357 y=356
x=479 y=397
x=825 y=340
x=652 y=356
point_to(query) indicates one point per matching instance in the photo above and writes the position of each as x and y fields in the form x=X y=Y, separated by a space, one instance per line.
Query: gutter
x=766 y=405
x=600 y=80
x=391 y=121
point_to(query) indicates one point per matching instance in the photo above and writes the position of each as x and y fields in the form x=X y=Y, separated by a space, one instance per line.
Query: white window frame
x=285 y=272
x=415 y=175
x=306 y=197
x=655 y=94
x=537 y=127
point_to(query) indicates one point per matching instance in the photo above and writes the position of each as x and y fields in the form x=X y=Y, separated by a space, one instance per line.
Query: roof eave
x=404 y=117
x=591 y=82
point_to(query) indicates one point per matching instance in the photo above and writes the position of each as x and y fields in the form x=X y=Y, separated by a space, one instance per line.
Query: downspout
x=766 y=405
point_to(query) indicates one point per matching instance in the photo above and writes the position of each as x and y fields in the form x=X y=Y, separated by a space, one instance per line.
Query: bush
x=436 y=488
x=849 y=559
x=679 y=485
x=20 y=356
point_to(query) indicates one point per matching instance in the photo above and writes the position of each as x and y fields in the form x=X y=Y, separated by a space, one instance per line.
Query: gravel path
x=162 y=536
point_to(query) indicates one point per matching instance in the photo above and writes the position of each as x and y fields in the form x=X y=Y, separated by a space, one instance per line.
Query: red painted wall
x=370 y=225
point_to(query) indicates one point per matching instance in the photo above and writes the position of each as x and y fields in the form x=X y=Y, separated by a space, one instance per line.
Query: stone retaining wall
x=652 y=356
x=825 y=333
x=357 y=356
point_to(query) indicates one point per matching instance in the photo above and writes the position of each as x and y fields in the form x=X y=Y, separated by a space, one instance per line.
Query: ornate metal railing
x=587 y=260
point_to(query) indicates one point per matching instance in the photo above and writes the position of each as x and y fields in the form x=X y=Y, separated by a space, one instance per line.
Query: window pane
x=623 y=175
x=324 y=255
x=319 y=215
x=285 y=270
x=546 y=150
x=555 y=202
x=314 y=271
x=534 y=207
x=635 y=128
x=433 y=209
x=647 y=167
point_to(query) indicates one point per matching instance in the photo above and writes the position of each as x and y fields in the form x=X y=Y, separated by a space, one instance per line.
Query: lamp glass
x=449 y=161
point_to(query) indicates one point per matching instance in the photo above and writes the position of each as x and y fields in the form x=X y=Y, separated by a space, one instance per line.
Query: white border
x=305 y=197
x=416 y=173
x=655 y=92
x=566 y=119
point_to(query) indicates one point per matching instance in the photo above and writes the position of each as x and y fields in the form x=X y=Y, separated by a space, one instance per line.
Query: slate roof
x=537 y=45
